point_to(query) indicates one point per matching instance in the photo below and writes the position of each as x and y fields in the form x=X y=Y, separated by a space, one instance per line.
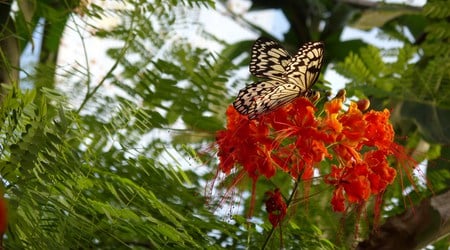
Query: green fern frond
x=404 y=56
x=371 y=57
x=438 y=30
x=76 y=190
x=437 y=9
x=354 y=68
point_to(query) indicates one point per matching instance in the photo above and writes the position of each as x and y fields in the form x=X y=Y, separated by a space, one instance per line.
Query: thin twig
x=89 y=94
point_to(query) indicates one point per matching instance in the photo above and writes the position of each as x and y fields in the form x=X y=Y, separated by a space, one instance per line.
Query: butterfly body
x=285 y=77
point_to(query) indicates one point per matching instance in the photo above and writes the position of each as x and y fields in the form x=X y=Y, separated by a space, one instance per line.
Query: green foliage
x=67 y=186
x=379 y=16
x=110 y=171
x=420 y=89
x=439 y=173
x=371 y=76
x=437 y=9
x=89 y=180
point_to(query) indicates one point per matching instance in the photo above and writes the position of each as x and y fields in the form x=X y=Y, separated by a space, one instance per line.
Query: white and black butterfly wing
x=287 y=78
x=305 y=66
x=248 y=97
x=261 y=97
x=268 y=59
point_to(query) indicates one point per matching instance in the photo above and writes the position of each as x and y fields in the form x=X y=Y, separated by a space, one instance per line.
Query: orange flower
x=353 y=179
x=295 y=138
x=381 y=174
x=346 y=153
x=338 y=200
x=292 y=118
x=356 y=183
x=333 y=124
x=333 y=106
x=379 y=131
x=354 y=124
x=276 y=207
x=247 y=143
x=300 y=127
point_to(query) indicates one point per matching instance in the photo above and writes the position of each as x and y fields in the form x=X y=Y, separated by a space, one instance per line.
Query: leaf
x=354 y=68
x=339 y=50
x=373 y=61
x=437 y=9
x=432 y=121
x=416 y=24
x=438 y=173
x=378 y=17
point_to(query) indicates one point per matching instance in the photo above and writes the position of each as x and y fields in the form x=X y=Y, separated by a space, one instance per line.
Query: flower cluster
x=298 y=136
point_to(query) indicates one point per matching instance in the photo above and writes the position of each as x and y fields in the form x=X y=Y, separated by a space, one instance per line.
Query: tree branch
x=416 y=228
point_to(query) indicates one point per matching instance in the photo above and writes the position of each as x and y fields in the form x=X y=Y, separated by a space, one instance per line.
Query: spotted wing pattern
x=253 y=101
x=286 y=78
x=304 y=68
x=268 y=59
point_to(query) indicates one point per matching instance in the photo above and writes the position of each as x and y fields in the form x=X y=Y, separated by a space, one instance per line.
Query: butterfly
x=285 y=77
